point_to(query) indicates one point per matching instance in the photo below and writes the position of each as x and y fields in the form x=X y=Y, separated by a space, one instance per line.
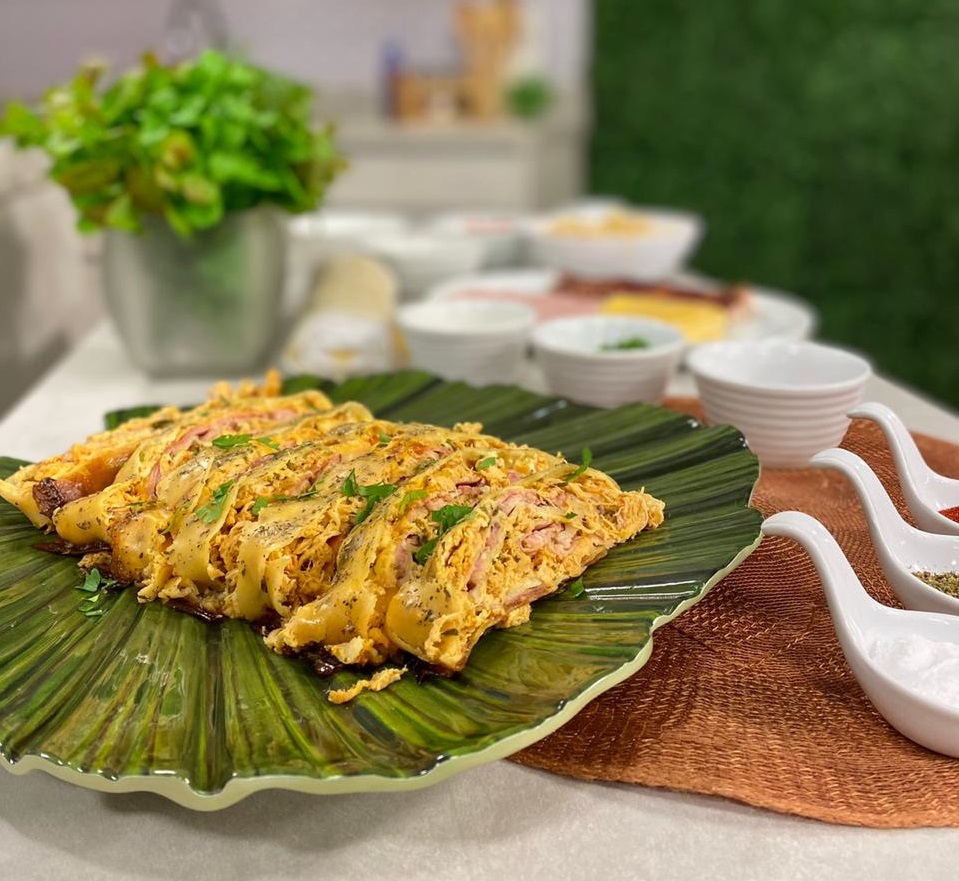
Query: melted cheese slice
x=699 y=321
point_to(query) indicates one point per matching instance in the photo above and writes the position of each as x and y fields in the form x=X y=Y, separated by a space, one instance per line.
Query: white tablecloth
x=494 y=822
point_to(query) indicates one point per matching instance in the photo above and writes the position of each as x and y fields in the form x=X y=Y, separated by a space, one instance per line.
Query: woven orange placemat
x=747 y=695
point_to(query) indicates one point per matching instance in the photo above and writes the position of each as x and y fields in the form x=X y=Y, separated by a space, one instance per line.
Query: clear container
x=210 y=304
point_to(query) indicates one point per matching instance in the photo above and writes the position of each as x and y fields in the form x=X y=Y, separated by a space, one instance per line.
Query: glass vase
x=206 y=305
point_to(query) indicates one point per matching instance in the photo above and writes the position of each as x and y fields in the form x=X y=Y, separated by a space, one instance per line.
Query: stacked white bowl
x=592 y=359
x=476 y=341
x=789 y=399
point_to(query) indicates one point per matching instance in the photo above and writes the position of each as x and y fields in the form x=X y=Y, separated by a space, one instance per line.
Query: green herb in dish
x=947 y=582
x=635 y=342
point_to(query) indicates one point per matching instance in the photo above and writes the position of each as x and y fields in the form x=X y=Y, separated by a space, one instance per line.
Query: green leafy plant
x=529 y=97
x=189 y=142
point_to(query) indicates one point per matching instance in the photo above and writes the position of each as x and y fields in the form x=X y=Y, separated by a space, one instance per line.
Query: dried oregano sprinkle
x=947 y=582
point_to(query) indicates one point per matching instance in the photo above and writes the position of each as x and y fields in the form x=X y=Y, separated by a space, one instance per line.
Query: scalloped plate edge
x=179 y=791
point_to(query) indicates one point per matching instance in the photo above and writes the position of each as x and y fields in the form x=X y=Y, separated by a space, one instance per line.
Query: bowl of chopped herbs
x=608 y=360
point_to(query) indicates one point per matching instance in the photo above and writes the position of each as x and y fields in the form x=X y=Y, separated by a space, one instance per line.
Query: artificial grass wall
x=820 y=139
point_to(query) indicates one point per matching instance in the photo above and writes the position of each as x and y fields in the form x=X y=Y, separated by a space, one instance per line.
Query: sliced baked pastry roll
x=393 y=544
x=150 y=444
x=431 y=580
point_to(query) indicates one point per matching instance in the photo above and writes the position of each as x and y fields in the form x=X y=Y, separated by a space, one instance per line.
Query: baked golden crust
x=365 y=537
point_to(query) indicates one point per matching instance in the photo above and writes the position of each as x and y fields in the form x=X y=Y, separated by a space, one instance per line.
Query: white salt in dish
x=925 y=666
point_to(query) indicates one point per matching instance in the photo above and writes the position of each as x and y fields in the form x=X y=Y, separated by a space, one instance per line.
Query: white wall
x=48 y=284
x=330 y=43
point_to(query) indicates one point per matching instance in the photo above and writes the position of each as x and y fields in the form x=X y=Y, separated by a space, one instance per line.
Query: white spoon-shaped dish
x=902 y=549
x=860 y=621
x=926 y=491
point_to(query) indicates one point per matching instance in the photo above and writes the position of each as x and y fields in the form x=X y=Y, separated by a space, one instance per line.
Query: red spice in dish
x=951 y=513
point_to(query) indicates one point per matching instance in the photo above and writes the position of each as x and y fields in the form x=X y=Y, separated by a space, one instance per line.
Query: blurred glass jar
x=210 y=304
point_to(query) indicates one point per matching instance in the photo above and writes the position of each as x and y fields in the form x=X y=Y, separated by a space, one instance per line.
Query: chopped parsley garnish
x=570 y=515
x=91 y=581
x=414 y=495
x=587 y=460
x=384 y=439
x=263 y=501
x=447 y=517
x=633 y=342
x=349 y=485
x=576 y=588
x=425 y=551
x=211 y=511
x=95 y=588
x=373 y=493
x=228 y=441
x=488 y=462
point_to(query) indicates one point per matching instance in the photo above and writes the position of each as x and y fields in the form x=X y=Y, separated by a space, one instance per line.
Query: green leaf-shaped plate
x=146 y=698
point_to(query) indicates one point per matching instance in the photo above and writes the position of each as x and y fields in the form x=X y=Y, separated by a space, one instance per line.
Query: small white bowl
x=570 y=352
x=421 y=259
x=481 y=343
x=789 y=399
x=648 y=254
x=356 y=225
x=321 y=234
x=500 y=235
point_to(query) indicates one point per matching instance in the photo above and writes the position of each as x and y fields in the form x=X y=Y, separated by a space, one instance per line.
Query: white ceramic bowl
x=648 y=254
x=570 y=352
x=789 y=399
x=500 y=235
x=318 y=235
x=481 y=343
x=421 y=259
